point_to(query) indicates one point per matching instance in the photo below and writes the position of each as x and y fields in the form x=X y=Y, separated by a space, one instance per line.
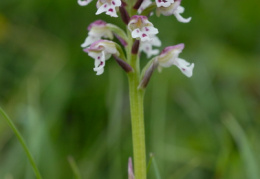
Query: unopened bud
x=147 y=75
x=138 y=4
x=124 y=14
x=121 y=40
x=123 y=64
x=135 y=47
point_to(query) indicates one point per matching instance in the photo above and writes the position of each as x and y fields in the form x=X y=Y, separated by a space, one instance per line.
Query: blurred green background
x=204 y=127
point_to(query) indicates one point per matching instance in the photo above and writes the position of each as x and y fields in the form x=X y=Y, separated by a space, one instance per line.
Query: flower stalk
x=137 y=119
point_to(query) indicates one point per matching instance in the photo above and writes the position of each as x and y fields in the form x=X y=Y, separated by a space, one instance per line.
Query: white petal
x=84 y=2
x=94 y=54
x=181 y=19
x=147 y=47
x=166 y=63
x=108 y=8
x=117 y=3
x=151 y=52
x=180 y=9
x=150 y=30
x=136 y=33
x=185 y=67
x=102 y=8
x=177 y=13
x=99 y=71
x=144 y=5
x=107 y=56
x=112 y=11
x=100 y=64
x=145 y=37
x=89 y=40
x=97 y=31
x=109 y=46
x=156 y=41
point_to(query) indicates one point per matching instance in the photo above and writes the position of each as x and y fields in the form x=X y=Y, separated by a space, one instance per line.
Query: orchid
x=97 y=30
x=174 y=9
x=108 y=6
x=140 y=36
x=170 y=56
x=147 y=46
x=141 y=28
x=101 y=51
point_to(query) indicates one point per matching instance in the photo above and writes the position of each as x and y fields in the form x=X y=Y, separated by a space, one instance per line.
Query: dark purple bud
x=148 y=74
x=138 y=4
x=123 y=64
x=135 y=47
x=124 y=14
x=121 y=40
x=124 y=3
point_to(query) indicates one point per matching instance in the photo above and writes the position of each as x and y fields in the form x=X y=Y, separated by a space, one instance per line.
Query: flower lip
x=141 y=28
x=175 y=47
x=96 y=23
x=108 y=6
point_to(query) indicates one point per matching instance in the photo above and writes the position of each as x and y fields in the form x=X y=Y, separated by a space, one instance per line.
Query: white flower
x=144 y=5
x=164 y=3
x=84 y=2
x=97 y=30
x=174 y=9
x=108 y=6
x=101 y=51
x=170 y=56
x=147 y=46
x=141 y=28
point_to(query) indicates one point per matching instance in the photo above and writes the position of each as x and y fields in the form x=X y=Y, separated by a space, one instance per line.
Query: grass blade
x=21 y=140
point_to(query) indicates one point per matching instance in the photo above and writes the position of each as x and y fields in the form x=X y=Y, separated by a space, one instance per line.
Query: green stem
x=21 y=140
x=137 y=118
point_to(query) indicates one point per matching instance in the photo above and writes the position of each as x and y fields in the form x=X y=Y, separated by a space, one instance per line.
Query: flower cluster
x=99 y=45
x=140 y=37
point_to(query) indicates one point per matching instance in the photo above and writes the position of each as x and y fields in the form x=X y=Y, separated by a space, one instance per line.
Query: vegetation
x=78 y=124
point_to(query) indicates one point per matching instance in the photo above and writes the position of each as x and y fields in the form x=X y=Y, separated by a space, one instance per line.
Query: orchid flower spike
x=101 y=51
x=84 y=2
x=97 y=30
x=130 y=169
x=174 y=9
x=141 y=28
x=108 y=6
x=170 y=56
x=147 y=46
